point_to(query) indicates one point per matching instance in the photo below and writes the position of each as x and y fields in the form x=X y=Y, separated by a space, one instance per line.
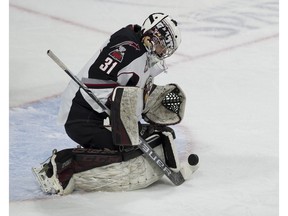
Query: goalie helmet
x=161 y=36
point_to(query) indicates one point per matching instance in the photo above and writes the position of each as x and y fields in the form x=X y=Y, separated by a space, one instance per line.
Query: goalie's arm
x=76 y=79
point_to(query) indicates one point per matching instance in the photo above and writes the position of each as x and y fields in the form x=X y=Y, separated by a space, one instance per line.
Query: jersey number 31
x=108 y=65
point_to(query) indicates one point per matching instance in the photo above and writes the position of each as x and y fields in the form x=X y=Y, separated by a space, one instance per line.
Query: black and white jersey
x=121 y=61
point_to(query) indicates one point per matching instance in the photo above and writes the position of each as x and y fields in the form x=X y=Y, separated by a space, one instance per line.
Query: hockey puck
x=193 y=159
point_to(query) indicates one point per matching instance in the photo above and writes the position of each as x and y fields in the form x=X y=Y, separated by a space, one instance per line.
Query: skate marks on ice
x=58 y=18
x=208 y=29
x=232 y=18
x=33 y=135
x=226 y=26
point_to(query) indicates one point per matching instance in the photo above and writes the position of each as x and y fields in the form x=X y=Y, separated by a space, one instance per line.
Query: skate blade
x=45 y=185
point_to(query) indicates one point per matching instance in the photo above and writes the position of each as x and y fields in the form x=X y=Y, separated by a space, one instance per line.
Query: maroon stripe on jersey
x=101 y=86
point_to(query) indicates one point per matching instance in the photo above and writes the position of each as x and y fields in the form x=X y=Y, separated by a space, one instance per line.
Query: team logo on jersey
x=118 y=53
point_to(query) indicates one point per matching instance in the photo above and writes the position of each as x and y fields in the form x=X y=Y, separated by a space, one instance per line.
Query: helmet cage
x=163 y=35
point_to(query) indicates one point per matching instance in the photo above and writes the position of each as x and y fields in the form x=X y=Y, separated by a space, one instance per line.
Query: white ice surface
x=227 y=65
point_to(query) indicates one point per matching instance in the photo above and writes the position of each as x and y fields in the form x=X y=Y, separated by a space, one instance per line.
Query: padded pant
x=90 y=134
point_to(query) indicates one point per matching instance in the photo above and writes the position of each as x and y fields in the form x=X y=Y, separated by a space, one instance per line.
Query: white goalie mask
x=161 y=36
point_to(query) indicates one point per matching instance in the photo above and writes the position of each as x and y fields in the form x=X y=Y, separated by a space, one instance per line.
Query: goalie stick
x=176 y=177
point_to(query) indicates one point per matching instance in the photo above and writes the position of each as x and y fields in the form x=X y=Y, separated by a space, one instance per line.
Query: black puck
x=193 y=159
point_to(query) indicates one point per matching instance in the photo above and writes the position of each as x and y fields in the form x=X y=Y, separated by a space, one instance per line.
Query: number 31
x=108 y=65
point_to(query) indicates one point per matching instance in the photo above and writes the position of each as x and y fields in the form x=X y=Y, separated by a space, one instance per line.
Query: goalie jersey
x=121 y=61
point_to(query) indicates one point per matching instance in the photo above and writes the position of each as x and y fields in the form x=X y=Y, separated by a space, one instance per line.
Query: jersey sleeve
x=122 y=48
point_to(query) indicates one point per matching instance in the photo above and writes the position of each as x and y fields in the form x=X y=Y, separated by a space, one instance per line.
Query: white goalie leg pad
x=184 y=167
x=129 y=175
x=51 y=185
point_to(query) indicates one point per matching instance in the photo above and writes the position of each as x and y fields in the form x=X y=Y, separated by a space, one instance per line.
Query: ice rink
x=227 y=65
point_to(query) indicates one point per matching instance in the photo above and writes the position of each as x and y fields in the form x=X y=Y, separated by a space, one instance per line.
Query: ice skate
x=50 y=185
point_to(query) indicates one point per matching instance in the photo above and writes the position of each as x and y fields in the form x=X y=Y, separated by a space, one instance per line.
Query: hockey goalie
x=121 y=75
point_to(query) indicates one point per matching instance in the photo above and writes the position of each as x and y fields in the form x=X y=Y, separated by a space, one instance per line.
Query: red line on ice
x=215 y=52
x=58 y=19
x=186 y=58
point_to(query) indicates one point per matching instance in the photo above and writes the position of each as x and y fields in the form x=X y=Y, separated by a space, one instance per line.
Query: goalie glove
x=165 y=105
